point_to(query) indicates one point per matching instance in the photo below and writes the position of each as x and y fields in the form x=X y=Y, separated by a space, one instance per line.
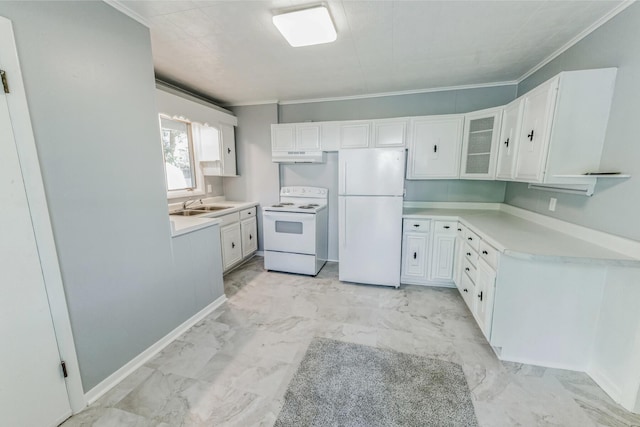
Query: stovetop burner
x=286 y=204
x=278 y=206
x=307 y=206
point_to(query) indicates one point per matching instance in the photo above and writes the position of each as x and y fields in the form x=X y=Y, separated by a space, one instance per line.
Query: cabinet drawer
x=470 y=254
x=489 y=254
x=417 y=225
x=248 y=213
x=229 y=219
x=445 y=227
x=472 y=239
x=467 y=290
x=469 y=270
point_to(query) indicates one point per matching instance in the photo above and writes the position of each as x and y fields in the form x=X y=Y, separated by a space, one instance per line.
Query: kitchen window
x=183 y=177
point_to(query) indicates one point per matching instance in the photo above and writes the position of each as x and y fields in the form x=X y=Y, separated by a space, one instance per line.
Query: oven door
x=289 y=232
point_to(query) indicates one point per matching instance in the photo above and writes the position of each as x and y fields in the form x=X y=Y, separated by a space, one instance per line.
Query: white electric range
x=296 y=231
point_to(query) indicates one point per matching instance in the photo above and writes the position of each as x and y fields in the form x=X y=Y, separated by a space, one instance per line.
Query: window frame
x=198 y=189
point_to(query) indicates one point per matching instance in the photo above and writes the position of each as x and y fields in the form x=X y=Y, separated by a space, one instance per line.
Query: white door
x=32 y=390
x=443 y=253
x=231 y=242
x=486 y=279
x=228 y=149
x=370 y=237
x=508 y=142
x=534 y=134
x=355 y=134
x=249 y=232
x=434 y=148
x=414 y=251
x=371 y=172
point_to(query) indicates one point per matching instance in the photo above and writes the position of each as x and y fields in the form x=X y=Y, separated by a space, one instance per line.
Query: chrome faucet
x=188 y=203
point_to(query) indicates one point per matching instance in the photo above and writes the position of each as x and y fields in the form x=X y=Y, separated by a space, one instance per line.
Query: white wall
x=90 y=86
x=614 y=206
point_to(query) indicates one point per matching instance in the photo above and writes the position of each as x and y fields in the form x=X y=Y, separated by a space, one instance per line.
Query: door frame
x=39 y=210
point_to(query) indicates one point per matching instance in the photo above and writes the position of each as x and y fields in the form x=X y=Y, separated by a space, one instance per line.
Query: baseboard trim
x=607 y=385
x=114 y=379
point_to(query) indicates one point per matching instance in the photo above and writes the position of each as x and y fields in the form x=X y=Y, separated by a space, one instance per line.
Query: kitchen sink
x=190 y=212
x=210 y=208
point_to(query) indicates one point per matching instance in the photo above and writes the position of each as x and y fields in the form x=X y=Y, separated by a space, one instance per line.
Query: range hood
x=298 y=157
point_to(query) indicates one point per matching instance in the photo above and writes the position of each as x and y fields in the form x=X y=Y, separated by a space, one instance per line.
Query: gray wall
x=258 y=175
x=87 y=67
x=615 y=205
x=430 y=103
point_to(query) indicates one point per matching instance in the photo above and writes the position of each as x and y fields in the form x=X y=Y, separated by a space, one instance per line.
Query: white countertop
x=521 y=238
x=186 y=224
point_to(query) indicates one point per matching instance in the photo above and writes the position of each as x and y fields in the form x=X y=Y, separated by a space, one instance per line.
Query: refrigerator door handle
x=344 y=224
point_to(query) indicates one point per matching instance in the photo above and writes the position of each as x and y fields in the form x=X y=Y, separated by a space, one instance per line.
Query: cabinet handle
x=465 y=290
x=480 y=295
x=415 y=255
x=228 y=150
x=530 y=136
x=250 y=237
x=469 y=238
x=468 y=253
x=233 y=245
x=467 y=269
x=485 y=253
x=435 y=148
x=506 y=142
x=446 y=227
x=459 y=229
x=416 y=225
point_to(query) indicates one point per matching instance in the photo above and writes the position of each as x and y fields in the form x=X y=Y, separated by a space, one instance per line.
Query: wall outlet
x=552 y=204
x=209 y=189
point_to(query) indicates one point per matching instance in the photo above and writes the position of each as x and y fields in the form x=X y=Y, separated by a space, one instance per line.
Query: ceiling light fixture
x=306 y=27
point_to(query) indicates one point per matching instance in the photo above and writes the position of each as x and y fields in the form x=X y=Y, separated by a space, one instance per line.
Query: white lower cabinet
x=484 y=296
x=415 y=251
x=428 y=249
x=238 y=237
x=231 y=245
x=249 y=232
x=443 y=251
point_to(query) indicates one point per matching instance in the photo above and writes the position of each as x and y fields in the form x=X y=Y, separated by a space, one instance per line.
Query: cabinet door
x=389 y=133
x=442 y=257
x=534 y=134
x=308 y=137
x=434 y=148
x=414 y=256
x=330 y=136
x=249 y=231
x=458 y=261
x=283 y=137
x=485 y=287
x=228 y=149
x=355 y=134
x=231 y=245
x=481 y=131
x=508 y=141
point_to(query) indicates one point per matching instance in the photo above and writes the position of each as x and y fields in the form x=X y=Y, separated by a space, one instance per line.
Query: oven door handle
x=289 y=216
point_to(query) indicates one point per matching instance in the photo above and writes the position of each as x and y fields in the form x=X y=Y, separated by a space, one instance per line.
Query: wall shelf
x=576 y=184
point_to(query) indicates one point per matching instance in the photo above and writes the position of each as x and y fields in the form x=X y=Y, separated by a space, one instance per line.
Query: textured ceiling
x=231 y=52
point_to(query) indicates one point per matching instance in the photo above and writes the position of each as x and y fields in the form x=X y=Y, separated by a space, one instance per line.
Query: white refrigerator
x=370 y=193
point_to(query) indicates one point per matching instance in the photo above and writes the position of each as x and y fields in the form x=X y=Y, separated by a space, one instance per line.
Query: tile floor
x=233 y=367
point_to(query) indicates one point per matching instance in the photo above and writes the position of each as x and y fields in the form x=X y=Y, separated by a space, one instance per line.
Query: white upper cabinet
x=217 y=149
x=434 y=147
x=563 y=126
x=508 y=141
x=479 y=148
x=295 y=137
x=330 y=136
x=389 y=133
x=355 y=134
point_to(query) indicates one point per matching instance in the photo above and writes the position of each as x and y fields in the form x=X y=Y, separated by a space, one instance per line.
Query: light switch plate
x=552 y=204
x=209 y=188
